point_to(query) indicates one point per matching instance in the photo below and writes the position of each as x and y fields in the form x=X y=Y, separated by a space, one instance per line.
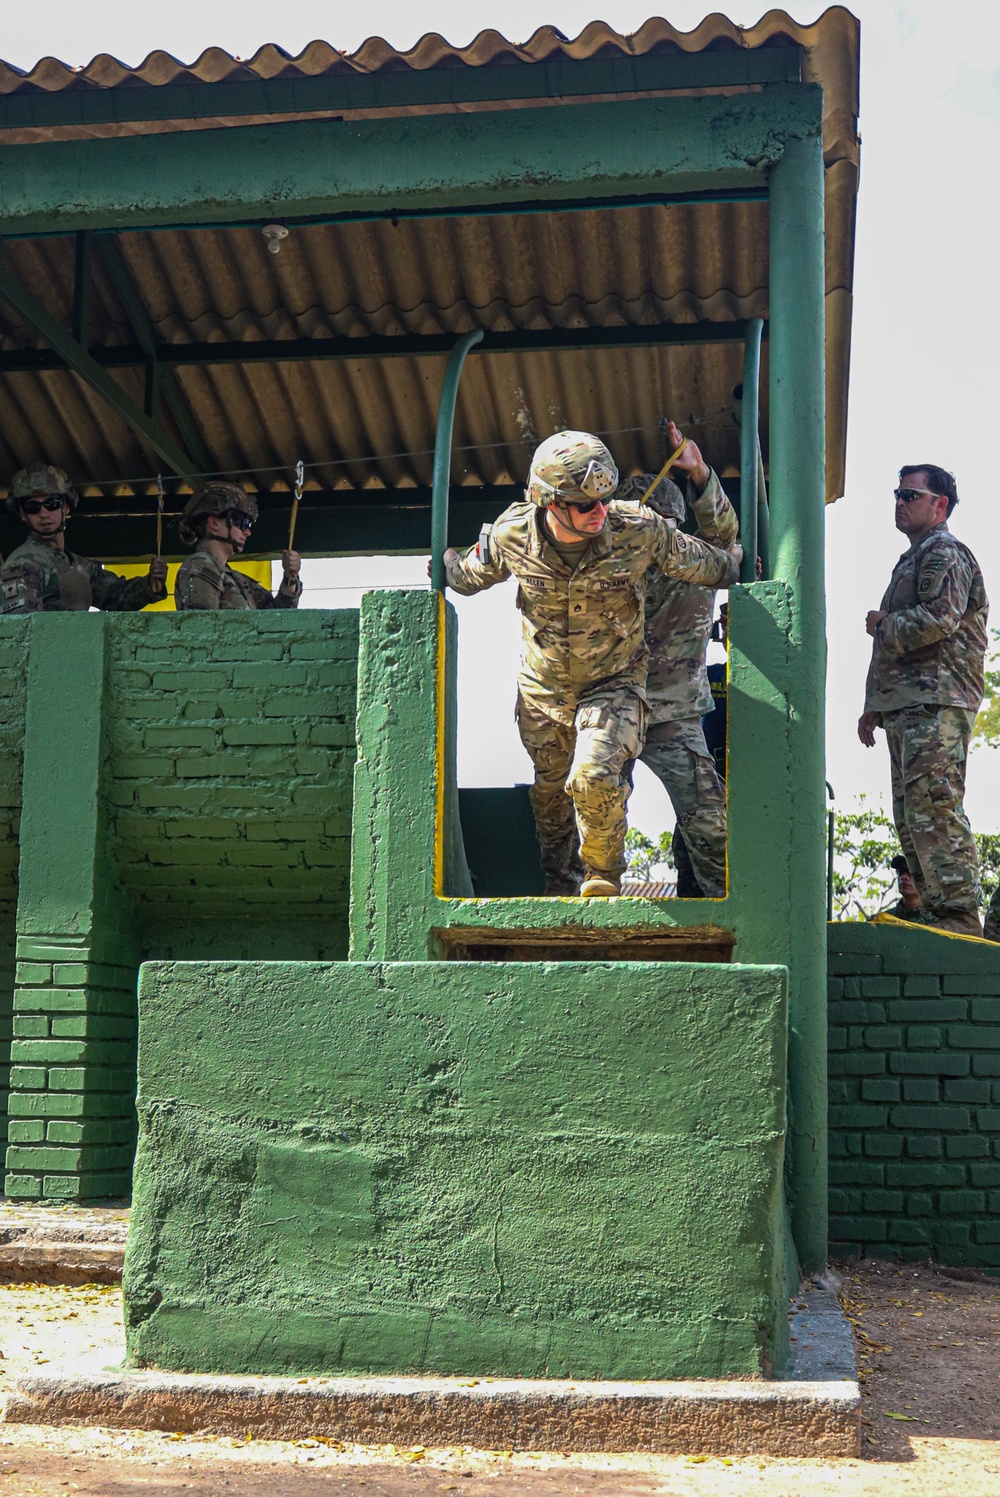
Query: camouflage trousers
x=582 y=759
x=678 y=755
x=928 y=748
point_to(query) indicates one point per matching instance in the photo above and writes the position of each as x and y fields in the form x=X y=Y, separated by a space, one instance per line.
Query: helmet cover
x=215 y=498
x=666 y=497
x=569 y=467
x=40 y=481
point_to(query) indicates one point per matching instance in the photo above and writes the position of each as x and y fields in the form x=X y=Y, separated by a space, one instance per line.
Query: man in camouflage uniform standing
x=678 y=625
x=217 y=520
x=924 y=688
x=581 y=563
x=43 y=574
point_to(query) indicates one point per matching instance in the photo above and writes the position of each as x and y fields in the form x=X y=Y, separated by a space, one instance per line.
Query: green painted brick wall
x=205 y=811
x=231 y=759
x=914 y=1058
x=13 y=697
x=510 y=1168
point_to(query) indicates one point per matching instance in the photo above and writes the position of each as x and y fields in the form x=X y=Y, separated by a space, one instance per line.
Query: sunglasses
x=35 y=506
x=584 y=507
x=240 y=520
x=907 y=496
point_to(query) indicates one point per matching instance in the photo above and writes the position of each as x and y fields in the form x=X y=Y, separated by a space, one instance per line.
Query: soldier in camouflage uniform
x=217 y=520
x=43 y=574
x=678 y=625
x=581 y=563
x=924 y=688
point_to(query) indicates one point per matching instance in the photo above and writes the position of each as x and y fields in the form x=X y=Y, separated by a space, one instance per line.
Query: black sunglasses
x=240 y=519
x=586 y=506
x=907 y=496
x=35 y=506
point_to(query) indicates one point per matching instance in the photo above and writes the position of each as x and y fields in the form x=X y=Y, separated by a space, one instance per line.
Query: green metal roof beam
x=306 y=350
x=163 y=379
x=428 y=162
x=81 y=363
x=390 y=89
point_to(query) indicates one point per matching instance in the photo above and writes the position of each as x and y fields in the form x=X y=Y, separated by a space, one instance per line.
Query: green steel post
x=749 y=422
x=797 y=452
x=763 y=519
x=442 y=455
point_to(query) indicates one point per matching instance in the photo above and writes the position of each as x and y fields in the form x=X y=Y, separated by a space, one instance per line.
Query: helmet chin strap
x=566 y=519
x=228 y=537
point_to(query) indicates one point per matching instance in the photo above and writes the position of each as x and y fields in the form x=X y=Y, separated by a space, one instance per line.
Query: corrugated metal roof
x=372 y=420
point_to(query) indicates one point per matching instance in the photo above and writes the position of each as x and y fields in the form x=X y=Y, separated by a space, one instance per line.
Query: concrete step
x=62 y=1245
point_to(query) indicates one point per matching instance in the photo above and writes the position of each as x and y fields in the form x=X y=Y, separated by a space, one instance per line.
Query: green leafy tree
x=648 y=859
x=987 y=729
x=864 y=844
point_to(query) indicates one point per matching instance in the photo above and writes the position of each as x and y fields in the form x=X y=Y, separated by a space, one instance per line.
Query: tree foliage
x=987 y=729
x=648 y=859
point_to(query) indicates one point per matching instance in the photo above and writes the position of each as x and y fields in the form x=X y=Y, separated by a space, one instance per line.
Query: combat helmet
x=40 y=481
x=214 y=498
x=666 y=495
x=569 y=467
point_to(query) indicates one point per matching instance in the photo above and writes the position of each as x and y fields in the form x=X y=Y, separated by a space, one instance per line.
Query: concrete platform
x=816 y=1413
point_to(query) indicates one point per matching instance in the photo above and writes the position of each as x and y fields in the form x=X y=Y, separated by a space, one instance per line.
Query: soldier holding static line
x=217 y=520
x=581 y=560
x=43 y=574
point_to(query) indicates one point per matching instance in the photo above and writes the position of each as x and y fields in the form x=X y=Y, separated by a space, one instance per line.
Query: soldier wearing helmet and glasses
x=924 y=688
x=217 y=521
x=44 y=574
x=581 y=561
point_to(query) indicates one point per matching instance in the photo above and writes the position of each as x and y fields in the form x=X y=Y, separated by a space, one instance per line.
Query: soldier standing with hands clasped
x=581 y=561
x=925 y=685
x=43 y=574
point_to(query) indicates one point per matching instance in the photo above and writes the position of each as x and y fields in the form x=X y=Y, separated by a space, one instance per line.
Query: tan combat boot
x=596 y=886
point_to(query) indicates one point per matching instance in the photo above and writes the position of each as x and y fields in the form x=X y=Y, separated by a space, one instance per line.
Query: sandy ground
x=929 y=1348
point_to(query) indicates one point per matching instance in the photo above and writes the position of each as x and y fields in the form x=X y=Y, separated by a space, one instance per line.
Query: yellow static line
x=664 y=471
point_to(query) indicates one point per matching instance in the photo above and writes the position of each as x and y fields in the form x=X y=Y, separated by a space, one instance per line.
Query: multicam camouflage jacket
x=205 y=582
x=583 y=629
x=930 y=647
x=38 y=577
x=679 y=616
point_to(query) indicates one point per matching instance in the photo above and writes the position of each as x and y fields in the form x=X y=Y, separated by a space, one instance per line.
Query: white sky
x=925 y=317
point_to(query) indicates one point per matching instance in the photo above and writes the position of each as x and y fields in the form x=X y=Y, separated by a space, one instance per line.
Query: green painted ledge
x=529 y=1169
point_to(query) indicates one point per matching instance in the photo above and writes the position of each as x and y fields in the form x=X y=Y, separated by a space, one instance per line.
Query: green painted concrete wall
x=914 y=1095
x=460 y=1168
x=399 y=914
x=186 y=793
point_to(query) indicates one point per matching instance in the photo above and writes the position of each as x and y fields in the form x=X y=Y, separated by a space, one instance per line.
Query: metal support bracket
x=159 y=380
x=80 y=361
